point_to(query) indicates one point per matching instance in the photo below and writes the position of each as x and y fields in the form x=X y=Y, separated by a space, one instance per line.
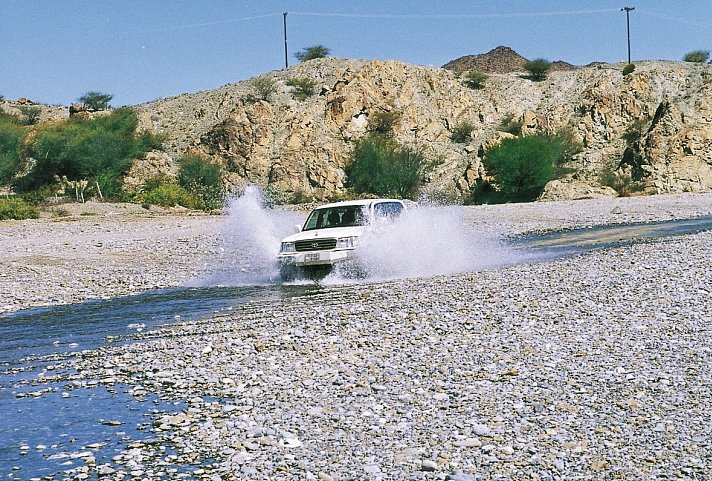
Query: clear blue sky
x=53 y=51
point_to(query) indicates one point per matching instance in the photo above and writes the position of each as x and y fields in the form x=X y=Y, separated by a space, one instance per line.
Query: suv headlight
x=346 y=242
x=287 y=247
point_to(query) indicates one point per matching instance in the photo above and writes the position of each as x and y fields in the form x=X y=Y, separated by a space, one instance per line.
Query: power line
x=675 y=19
x=196 y=25
x=454 y=16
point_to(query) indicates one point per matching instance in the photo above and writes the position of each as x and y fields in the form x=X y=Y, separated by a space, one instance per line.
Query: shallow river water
x=51 y=422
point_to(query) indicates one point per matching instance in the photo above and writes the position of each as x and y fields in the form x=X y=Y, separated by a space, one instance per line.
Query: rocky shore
x=595 y=366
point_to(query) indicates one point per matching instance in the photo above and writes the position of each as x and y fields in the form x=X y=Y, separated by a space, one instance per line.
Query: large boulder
x=571 y=189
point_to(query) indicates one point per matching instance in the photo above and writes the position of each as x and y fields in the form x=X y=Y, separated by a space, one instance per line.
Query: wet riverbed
x=54 y=419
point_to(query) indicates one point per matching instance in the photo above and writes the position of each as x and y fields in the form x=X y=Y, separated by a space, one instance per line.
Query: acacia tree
x=538 y=69
x=475 y=80
x=697 y=56
x=94 y=100
x=264 y=88
x=310 y=53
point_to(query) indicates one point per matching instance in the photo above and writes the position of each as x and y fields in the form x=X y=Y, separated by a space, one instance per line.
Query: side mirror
x=297 y=228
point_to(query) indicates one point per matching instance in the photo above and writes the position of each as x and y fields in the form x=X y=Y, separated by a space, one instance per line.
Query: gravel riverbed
x=594 y=366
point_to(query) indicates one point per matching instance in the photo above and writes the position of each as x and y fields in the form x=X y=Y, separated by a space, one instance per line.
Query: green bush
x=383 y=167
x=30 y=115
x=620 y=181
x=263 y=88
x=462 y=132
x=109 y=186
x=16 y=208
x=311 y=53
x=628 y=69
x=538 y=69
x=11 y=136
x=168 y=194
x=697 y=56
x=383 y=123
x=302 y=88
x=635 y=130
x=475 y=80
x=509 y=125
x=94 y=100
x=203 y=180
x=522 y=166
x=83 y=149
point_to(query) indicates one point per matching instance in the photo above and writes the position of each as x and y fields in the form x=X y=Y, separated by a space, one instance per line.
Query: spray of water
x=252 y=235
x=428 y=241
x=425 y=241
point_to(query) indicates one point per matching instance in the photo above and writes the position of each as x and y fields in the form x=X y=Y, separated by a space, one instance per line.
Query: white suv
x=330 y=235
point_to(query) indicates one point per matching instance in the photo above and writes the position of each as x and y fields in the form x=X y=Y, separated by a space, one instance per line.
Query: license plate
x=311 y=257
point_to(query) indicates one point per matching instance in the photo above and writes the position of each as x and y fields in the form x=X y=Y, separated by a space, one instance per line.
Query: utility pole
x=286 y=60
x=627 y=11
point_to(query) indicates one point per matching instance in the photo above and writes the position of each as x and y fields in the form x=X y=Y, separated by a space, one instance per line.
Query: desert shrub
x=203 y=180
x=510 y=125
x=635 y=130
x=538 y=69
x=620 y=181
x=94 y=100
x=383 y=123
x=273 y=196
x=109 y=186
x=462 y=132
x=168 y=194
x=570 y=144
x=85 y=149
x=475 y=80
x=697 y=56
x=521 y=167
x=17 y=209
x=383 y=167
x=628 y=69
x=262 y=88
x=59 y=212
x=483 y=192
x=11 y=136
x=302 y=88
x=30 y=115
x=311 y=53
x=39 y=196
x=344 y=195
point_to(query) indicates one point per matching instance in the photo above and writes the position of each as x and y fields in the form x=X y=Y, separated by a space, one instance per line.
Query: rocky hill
x=654 y=124
x=498 y=60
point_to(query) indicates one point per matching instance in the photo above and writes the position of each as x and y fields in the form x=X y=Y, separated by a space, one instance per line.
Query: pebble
x=593 y=366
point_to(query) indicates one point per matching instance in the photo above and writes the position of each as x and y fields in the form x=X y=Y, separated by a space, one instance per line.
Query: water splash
x=252 y=235
x=426 y=241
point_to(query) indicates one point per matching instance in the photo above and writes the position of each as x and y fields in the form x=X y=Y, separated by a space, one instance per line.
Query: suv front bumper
x=315 y=258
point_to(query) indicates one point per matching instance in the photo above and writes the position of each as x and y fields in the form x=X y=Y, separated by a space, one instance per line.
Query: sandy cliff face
x=304 y=146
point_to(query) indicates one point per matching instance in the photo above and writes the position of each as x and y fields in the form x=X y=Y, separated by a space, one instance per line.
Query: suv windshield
x=346 y=216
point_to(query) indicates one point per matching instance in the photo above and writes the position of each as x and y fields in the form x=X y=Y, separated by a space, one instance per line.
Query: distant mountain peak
x=500 y=59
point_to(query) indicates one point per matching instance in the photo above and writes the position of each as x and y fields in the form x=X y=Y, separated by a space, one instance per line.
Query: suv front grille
x=315 y=245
